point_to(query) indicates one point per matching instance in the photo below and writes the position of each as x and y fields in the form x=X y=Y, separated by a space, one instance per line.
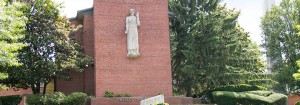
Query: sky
x=249 y=19
x=251 y=12
x=72 y=6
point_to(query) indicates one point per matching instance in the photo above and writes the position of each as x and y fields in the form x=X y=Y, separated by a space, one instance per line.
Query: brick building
x=104 y=39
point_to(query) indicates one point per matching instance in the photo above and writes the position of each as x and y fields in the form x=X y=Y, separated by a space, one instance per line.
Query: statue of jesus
x=132 y=23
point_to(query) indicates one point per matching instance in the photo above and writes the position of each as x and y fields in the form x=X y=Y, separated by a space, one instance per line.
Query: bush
x=10 y=100
x=239 y=88
x=249 y=98
x=233 y=88
x=57 y=98
x=54 y=98
x=127 y=95
x=119 y=95
x=34 y=99
x=298 y=103
x=75 y=98
x=108 y=94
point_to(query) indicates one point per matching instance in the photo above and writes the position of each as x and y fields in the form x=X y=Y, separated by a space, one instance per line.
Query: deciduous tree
x=12 y=29
x=52 y=50
x=282 y=42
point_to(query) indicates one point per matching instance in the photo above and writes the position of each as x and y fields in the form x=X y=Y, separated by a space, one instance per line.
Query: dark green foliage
x=298 y=103
x=209 y=49
x=249 y=98
x=108 y=94
x=34 y=99
x=239 y=88
x=76 y=98
x=234 y=88
x=10 y=100
x=57 y=98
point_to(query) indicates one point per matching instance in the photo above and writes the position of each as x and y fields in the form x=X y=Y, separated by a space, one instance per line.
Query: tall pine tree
x=209 y=49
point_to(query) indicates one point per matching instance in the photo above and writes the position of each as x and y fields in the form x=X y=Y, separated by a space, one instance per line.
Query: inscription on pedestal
x=153 y=100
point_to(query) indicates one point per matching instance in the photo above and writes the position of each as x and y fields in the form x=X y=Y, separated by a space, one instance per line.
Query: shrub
x=298 y=103
x=109 y=94
x=119 y=95
x=234 y=88
x=57 y=98
x=249 y=98
x=75 y=98
x=54 y=98
x=10 y=100
x=239 y=88
x=127 y=95
x=34 y=99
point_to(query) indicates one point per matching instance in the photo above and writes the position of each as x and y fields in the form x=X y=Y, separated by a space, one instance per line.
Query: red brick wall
x=146 y=76
x=15 y=92
x=88 y=44
x=293 y=99
x=75 y=85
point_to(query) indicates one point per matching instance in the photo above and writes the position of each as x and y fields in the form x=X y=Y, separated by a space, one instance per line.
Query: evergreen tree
x=209 y=49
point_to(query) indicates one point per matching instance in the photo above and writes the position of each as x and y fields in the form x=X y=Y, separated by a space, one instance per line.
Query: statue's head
x=132 y=11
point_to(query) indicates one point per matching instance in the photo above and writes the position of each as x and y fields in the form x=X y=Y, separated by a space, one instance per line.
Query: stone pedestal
x=136 y=101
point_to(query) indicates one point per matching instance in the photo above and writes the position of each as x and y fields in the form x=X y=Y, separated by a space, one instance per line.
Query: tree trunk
x=189 y=91
x=38 y=88
x=55 y=87
x=33 y=89
x=45 y=86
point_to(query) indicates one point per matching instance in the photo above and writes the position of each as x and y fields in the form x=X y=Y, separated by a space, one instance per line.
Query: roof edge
x=81 y=13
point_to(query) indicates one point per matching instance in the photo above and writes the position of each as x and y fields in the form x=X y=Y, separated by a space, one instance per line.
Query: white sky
x=251 y=12
x=250 y=16
x=72 y=6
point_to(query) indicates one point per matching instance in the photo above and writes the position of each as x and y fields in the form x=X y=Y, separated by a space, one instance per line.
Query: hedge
x=249 y=98
x=57 y=98
x=234 y=88
x=10 y=100
x=239 y=88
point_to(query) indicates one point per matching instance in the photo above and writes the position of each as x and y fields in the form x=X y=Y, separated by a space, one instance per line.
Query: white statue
x=132 y=23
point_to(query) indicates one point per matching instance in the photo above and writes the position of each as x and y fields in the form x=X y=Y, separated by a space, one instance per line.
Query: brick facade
x=104 y=39
x=148 y=75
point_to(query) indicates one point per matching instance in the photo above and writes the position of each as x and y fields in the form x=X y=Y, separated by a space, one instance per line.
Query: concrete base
x=136 y=100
